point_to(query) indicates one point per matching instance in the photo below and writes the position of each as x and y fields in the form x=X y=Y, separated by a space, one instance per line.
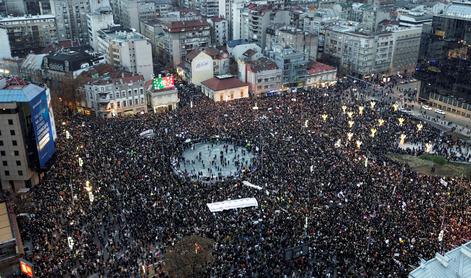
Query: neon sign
x=160 y=82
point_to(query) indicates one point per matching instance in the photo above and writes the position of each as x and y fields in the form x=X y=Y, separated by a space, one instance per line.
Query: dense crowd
x=356 y=212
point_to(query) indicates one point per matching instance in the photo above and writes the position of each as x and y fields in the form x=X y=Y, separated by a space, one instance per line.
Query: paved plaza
x=214 y=161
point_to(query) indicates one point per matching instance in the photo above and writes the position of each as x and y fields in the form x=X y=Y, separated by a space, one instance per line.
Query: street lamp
x=350 y=114
x=395 y=106
x=358 y=143
x=349 y=136
x=350 y=124
x=372 y=104
x=344 y=108
x=401 y=121
x=402 y=139
x=419 y=127
x=89 y=188
x=380 y=122
x=360 y=110
x=324 y=117
x=373 y=132
x=428 y=147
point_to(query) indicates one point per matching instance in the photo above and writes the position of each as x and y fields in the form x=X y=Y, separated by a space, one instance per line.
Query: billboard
x=43 y=129
x=160 y=82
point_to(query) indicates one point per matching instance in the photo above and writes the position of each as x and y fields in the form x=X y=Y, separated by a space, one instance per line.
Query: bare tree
x=189 y=257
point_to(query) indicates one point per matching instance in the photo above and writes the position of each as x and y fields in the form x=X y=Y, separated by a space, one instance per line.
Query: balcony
x=103 y=100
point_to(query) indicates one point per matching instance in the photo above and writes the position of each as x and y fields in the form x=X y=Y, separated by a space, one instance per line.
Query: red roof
x=319 y=67
x=262 y=64
x=186 y=25
x=217 y=84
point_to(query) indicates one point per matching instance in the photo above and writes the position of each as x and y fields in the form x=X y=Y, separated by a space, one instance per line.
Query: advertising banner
x=42 y=128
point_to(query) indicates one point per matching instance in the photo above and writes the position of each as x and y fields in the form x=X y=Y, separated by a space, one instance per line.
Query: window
x=5 y=163
x=12 y=132
x=20 y=173
x=1 y=142
x=18 y=163
x=7 y=173
x=2 y=153
x=16 y=153
x=14 y=143
x=10 y=122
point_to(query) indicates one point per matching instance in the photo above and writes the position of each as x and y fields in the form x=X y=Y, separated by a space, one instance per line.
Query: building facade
x=116 y=94
x=225 y=88
x=99 y=19
x=291 y=62
x=27 y=133
x=406 y=47
x=128 y=49
x=174 y=39
x=28 y=33
x=320 y=75
x=263 y=76
x=219 y=31
x=5 y=50
x=71 y=17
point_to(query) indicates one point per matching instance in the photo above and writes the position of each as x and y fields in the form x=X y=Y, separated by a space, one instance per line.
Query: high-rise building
x=128 y=49
x=27 y=133
x=29 y=33
x=173 y=39
x=101 y=18
x=5 y=50
x=71 y=17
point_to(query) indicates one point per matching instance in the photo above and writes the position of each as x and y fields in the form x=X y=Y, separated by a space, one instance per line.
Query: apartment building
x=27 y=33
x=128 y=49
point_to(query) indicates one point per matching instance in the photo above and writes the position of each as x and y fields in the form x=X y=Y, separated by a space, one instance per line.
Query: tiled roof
x=319 y=67
x=186 y=25
x=262 y=64
x=217 y=84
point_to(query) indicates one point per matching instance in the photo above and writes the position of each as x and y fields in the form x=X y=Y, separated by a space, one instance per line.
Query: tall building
x=128 y=49
x=29 y=33
x=260 y=18
x=38 y=7
x=209 y=8
x=71 y=17
x=219 y=30
x=173 y=39
x=291 y=62
x=406 y=46
x=27 y=133
x=101 y=18
x=12 y=8
x=451 y=32
x=5 y=50
x=358 y=53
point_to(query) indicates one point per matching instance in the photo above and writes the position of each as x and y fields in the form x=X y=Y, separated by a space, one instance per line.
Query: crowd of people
x=328 y=188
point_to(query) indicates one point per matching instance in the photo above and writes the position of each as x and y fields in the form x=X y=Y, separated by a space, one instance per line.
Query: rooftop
x=106 y=74
x=262 y=64
x=234 y=43
x=120 y=33
x=318 y=68
x=179 y=26
x=16 y=90
x=455 y=263
x=28 y=17
x=219 y=84
x=460 y=10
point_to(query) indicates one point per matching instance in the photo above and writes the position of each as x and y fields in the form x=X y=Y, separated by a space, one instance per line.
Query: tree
x=189 y=257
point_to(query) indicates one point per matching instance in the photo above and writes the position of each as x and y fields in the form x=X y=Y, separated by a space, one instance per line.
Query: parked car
x=426 y=107
x=438 y=111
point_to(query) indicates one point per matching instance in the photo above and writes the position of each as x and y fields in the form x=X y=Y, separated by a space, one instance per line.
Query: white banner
x=246 y=183
x=147 y=134
x=232 y=204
